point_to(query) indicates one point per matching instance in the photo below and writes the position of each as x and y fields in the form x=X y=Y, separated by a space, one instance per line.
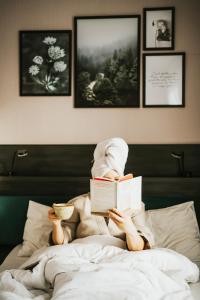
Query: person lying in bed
x=110 y=157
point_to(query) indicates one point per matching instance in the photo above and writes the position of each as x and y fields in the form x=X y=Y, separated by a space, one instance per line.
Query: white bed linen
x=12 y=261
x=68 y=267
x=195 y=289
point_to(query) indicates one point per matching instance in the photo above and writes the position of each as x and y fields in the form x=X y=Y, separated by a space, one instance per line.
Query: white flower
x=49 y=40
x=56 y=52
x=59 y=66
x=56 y=79
x=34 y=70
x=51 y=87
x=38 y=60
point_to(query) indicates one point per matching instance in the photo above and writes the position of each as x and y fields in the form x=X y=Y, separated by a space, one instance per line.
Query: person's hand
x=52 y=217
x=122 y=219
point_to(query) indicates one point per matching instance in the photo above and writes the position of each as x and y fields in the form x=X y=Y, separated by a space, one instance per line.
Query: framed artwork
x=45 y=63
x=164 y=79
x=107 y=57
x=158 y=28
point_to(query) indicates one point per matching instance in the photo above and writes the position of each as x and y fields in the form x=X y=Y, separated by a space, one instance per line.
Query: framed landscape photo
x=164 y=79
x=107 y=57
x=158 y=28
x=45 y=63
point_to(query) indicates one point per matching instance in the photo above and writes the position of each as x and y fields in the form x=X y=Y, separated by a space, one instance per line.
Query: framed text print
x=164 y=79
x=45 y=63
x=107 y=61
x=158 y=28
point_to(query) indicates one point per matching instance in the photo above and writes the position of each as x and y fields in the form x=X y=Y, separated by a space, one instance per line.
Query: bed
x=50 y=173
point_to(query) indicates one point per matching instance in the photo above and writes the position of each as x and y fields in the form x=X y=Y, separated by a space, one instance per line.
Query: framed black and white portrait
x=158 y=28
x=164 y=79
x=107 y=57
x=45 y=63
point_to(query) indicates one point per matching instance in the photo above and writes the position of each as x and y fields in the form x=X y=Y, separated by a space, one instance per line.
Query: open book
x=122 y=194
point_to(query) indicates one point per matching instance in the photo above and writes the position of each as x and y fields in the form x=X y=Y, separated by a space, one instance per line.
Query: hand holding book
x=122 y=219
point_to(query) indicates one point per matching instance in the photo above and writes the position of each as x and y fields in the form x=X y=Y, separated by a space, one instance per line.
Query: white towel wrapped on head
x=110 y=154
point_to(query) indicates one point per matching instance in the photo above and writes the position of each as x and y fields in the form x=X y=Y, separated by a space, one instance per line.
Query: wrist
x=56 y=223
x=130 y=229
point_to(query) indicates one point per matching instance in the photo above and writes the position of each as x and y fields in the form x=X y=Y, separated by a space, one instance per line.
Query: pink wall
x=53 y=120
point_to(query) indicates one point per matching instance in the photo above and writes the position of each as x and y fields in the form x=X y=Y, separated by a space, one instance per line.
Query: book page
x=129 y=194
x=103 y=195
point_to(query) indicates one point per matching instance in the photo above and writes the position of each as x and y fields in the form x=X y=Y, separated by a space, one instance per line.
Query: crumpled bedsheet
x=93 y=271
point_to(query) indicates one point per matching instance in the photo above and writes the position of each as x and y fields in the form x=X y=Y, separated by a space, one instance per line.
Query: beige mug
x=63 y=211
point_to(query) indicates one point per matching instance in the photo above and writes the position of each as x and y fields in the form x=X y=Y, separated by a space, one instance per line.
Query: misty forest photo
x=107 y=61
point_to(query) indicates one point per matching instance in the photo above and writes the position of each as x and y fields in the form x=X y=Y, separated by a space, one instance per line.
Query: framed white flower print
x=45 y=63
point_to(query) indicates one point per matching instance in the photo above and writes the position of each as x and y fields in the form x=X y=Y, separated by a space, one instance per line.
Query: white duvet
x=95 y=271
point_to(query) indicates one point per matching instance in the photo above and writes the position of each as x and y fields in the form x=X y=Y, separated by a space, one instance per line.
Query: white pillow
x=176 y=227
x=37 y=229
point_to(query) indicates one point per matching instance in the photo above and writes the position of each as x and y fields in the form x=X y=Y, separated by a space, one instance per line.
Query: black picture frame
x=107 y=61
x=45 y=62
x=159 y=28
x=164 y=79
